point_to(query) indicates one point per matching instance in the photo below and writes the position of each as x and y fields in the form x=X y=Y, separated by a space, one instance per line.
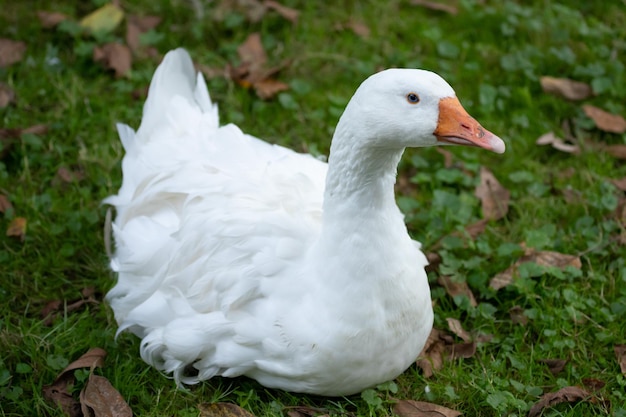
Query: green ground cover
x=492 y=53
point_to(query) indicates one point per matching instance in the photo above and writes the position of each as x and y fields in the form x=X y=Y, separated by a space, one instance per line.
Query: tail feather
x=176 y=76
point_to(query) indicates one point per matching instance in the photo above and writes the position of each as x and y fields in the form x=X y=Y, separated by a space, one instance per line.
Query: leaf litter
x=566 y=88
x=115 y=56
x=555 y=366
x=11 y=52
x=608 y=122
x=97 y=398
x=556 y=142
x=55 y=308
x=222 y=409
x=620 y=354
x=566 y=394
x=541 y=258
x=411 y=408
x=494 y=198
x=7 y=95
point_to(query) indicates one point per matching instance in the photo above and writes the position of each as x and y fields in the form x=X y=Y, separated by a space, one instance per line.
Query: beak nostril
x=464 y=126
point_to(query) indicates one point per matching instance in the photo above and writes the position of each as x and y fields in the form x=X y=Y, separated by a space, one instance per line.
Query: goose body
x=238 y=257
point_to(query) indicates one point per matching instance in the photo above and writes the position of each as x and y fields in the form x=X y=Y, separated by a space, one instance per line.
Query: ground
x=60 y=157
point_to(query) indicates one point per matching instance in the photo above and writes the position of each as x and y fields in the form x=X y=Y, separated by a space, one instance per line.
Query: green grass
x=492 y=54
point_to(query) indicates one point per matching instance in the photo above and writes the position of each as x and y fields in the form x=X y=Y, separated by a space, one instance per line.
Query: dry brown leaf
x=475 y=229
x=605 y=121
x=434 y=260
x=566 y=88
x=17 y=228
x=136 y=26
x=518 y=316
x=567 y=394
x=357 y=27
x=55 y=308
x=617 y=151
x=594 y=384
x=100 y=399
x=303 y=411
x=620 y=354
x=5 y=204
x=555 y=366
x=411 y=408
x=286 y=12
x=114 y=56
x=222 y=410
x=557 y=143
x=541 y=258
x=431 y=357
x=252 y=54
x=269 y=87
x=494 y=198
x=448 y=157
x=7 y=95
x=462 y=350
x=50 y=20
x=59 y=393
x=620 y=183
x=11 y=52
x=456 y=327
x=454 y=288
x=433 y=5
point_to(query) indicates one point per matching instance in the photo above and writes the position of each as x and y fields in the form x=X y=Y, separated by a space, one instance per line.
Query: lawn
x=557 y=321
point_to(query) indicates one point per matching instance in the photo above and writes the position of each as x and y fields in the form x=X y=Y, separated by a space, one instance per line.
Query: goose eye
x=412 y=98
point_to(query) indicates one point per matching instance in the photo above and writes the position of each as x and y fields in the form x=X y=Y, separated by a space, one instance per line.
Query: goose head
x=399 y=108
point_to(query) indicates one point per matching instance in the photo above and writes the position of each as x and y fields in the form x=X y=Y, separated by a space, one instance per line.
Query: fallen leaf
x=494 y=198
x=11 y=52
x=620 y=354
x=475 y=229
x=35 y=130
x=7 y=95
x=557 y=143
x=55 y=308
x=433 y=5
x=17 y=228
x=114 y=56
x=357 y=27
x=431 y=357
x=59 y=392
x=5 y=204
x=136 y=26
x=253 y=10
x=448 y=157
x=411 y=408
x=50 y=20
x=567 y=394
x=252 y=54
x=222 y=410
x=286 y=12
x=104 y=19
x=617 y=151
x=252 y=71
x=456 y=327
x=302 y=411
x=462 y=350
x=565 y=88
x=269 y=87
x=620 y=183
x=455 y=289
x=541 y=258
x=99 y=398
x=517 y=315
x=605 y=121
x=434 y=260
x=555 y=366
x=69 y=176
x=594 y=384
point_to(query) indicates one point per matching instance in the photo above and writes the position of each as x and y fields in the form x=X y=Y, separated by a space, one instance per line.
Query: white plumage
x=238 y=257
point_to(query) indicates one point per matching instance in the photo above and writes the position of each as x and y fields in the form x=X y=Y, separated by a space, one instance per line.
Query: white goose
x=238 y=257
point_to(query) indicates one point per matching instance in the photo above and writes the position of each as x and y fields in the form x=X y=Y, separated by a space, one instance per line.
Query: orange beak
x=456 y=127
